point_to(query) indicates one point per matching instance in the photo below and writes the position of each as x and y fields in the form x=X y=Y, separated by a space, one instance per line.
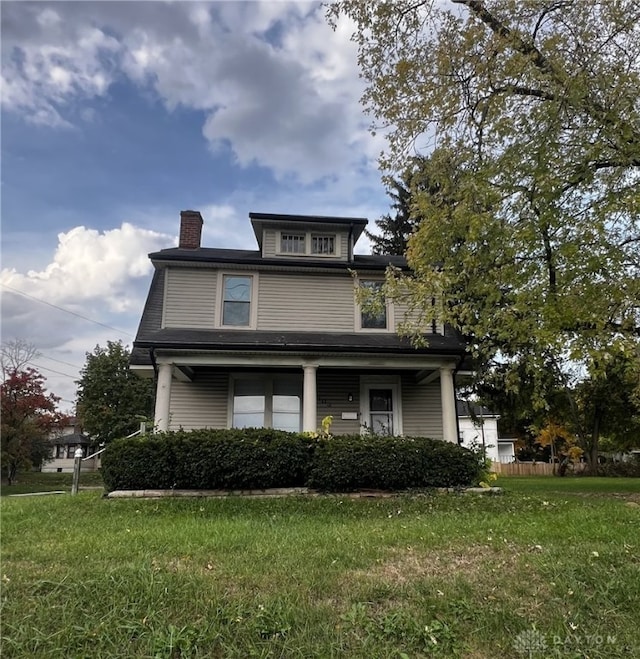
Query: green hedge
x=630 y=469
x=252 y=458
x=264 y=458
x=348 y=463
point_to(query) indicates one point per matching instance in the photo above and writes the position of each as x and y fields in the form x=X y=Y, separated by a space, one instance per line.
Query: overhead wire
x=66 y=375
x=73 y=313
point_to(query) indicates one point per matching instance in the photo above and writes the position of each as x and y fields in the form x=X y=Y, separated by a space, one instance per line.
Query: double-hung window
x=374 y=313
x=236 y=301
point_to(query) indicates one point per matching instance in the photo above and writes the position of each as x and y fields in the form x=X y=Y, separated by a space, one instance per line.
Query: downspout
x=154 y=363
x=350 y=246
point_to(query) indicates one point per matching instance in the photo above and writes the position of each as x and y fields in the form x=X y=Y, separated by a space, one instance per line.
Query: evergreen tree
x=395 y=229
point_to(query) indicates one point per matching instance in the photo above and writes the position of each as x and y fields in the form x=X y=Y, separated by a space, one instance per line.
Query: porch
x=383 y=394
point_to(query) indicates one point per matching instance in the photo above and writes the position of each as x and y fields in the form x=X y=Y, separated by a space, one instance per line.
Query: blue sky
x=117 y=115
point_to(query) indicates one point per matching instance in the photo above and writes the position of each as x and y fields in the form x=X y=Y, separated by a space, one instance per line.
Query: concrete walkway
x=37 y=494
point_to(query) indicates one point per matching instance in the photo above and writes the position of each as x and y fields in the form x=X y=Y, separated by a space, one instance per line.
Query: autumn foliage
x=28 y=416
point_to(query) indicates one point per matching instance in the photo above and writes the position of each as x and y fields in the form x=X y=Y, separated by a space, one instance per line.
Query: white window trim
x=391 y=321
x=337 y=242
x=380 y=382
x=253 y=308
x=267 y=379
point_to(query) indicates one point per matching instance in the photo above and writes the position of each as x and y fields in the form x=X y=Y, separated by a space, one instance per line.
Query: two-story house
x=275 y=337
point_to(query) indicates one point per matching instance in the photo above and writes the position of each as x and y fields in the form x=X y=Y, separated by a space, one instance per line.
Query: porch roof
x=285 y=342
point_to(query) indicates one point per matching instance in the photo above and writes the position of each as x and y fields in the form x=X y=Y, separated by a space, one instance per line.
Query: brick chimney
x=190 y=229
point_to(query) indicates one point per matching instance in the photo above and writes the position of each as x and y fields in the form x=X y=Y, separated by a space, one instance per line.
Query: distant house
x=478 y=427
x=64 y=442
x=275 y=337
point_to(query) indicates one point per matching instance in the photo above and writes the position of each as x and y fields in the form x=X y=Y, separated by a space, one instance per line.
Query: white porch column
x=163 y=397
x=309 y=399
x=447 y=395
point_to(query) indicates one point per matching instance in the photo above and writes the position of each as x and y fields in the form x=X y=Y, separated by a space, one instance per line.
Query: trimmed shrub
x=627 y=469
x=260 y=458
x=139 y=463
x=253 y=458
x=343 y=464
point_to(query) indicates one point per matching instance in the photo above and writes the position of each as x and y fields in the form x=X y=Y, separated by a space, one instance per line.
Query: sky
x=118 y=115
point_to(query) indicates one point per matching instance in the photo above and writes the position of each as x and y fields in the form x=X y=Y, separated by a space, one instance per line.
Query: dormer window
x=292 y=243
x=307 y=243
x=323 y=244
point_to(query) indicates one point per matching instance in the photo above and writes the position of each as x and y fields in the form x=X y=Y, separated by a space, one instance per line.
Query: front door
x=380 y=408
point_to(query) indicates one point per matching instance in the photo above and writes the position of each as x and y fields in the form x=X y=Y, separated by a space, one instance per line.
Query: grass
x=37 y=481
x=584 y=484
x=427 y=576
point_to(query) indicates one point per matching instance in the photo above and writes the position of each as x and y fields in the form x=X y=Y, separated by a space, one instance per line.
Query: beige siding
x=333 y=389
x=403 y=314
x=421 y=408
x=306 y=302
x=344 y=246
x=201 y=403
x=190 y=298
x=269 y=242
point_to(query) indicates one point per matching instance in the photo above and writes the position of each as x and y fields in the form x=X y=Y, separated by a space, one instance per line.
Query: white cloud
x=102 y=276
x=89 y=265
x=276 y=84
x=73 y=63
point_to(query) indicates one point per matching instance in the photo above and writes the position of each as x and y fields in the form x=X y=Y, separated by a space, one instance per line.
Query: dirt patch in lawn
x=472 y=563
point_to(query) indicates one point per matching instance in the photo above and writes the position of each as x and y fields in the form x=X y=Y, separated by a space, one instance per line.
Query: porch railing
x=141 y=431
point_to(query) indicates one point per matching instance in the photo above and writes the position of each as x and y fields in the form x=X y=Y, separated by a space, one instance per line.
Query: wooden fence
x=523 y=468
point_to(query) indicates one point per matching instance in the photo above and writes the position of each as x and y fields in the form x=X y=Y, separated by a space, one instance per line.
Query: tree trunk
x=592 y=454
x=12 y=469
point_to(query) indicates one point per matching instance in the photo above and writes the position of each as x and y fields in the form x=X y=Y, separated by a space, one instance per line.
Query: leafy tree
x=609 y=404
x=28 y=417
x=528 y=111
x=112 y=400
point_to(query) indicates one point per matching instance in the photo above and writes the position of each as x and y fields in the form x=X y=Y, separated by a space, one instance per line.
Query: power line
x=59 y=361
x=66 y=375
x=73 y=313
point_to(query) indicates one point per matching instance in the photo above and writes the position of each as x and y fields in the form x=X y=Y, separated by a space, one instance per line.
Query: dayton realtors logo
x=531 y=642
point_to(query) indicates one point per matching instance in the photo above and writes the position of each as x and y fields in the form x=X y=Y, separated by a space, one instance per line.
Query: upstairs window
x=374 y=318
x=323 y=244
x=292 y=243
x=236 y=309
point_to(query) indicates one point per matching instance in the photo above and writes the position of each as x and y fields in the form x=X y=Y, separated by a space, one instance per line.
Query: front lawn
x=535 y=572
x=585 y=484
x=37 y=481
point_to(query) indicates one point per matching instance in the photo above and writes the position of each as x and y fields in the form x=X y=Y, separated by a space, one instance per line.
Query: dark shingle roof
x=253 y=257
x=283 y=342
